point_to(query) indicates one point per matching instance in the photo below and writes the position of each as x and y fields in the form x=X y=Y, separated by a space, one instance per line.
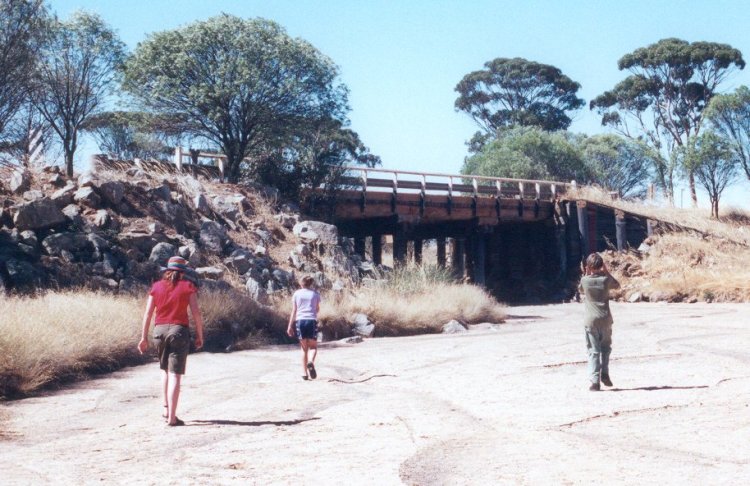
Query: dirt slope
x=497 y=405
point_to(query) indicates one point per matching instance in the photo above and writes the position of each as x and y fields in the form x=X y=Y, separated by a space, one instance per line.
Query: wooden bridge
x=490 y=230
x=493 y=231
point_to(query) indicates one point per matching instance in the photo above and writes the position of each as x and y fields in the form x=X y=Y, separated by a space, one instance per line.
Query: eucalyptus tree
x=530 y=153
x=76 y=75
x=519 y=92
x=711 y=158
x=243 y=85
x=662 y=100
x=619 y=164
x=729 y=115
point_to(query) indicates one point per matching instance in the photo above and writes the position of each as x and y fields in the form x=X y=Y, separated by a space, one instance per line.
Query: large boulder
x=256 y=291
x=361 y=325
x=213 y=273
x=316 y=232
x=213 y=237
x=231 y=206
x=453 y=327
x=36 y=215
x=87 y=196
x=20 y=181
x=64 y=196
x=59 y=243
x=162 y=252
x=112 y=192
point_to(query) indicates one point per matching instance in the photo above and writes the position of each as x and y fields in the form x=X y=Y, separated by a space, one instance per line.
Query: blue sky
x=402 y=59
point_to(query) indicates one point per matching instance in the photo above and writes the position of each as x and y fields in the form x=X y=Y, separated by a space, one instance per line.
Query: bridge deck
x=431 y=208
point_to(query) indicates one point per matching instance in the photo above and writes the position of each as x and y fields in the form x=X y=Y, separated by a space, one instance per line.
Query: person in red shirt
x=169 y=299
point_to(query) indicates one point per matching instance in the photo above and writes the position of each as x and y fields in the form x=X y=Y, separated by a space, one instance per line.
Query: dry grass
x=685 y=267
x=415 y=300
x=63 y=336
x=59 y=337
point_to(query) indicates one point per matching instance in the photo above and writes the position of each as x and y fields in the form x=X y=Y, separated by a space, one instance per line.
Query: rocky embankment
x=113 y=230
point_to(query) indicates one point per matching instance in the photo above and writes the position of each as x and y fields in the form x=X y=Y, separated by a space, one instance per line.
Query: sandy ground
x=503 y=404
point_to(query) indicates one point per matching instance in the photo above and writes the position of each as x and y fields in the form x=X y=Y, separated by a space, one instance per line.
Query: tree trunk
x=69 y=162
x=693 y=196
x=715 y=207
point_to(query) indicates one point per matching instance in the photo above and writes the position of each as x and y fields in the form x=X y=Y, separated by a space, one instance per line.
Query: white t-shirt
x=307 y=301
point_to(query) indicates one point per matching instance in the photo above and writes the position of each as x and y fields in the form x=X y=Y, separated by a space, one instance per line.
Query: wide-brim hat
x=178 y=263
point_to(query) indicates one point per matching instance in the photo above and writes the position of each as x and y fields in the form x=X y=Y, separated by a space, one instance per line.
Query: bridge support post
x=457 y=257
x=418 y=252
x=377 y=249
x=359 y=247
x=583 y=227
x=400 y=246
x=479 y=254
x=621 y=230
x=440 y=252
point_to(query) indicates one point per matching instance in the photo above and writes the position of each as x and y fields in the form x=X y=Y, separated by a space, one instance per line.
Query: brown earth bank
x=500 y=404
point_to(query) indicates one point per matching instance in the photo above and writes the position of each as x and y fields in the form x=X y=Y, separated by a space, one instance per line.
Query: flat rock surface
x=504 y=404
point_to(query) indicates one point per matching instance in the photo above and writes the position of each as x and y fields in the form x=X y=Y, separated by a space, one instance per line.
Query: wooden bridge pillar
x=583 y=227
x=418 y=251
x=457 y=257
x=377 y=249
x=400 y=246
x=479 y=261
x=440 y=252
x=359 y=247
x=621 y=230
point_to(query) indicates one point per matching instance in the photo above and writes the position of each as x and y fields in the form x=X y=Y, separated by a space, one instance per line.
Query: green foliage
x=619 y=164
x=311 y=158
x=662 y=100
x=127 y=135
x=530 y=153
x=79 y=67
x=710 y=157
x=729 y=115
x=243 y=85
x=21 y=31
x=518 y=92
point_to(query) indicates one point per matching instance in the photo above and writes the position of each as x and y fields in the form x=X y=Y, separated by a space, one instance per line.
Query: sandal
x=177 y=423
x=311 y=369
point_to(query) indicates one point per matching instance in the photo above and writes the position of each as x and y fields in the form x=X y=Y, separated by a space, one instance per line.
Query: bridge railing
x=366 y=179
x=421 y=182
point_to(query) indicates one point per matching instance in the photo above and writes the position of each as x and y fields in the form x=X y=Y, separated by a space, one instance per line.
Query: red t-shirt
x=172 y=304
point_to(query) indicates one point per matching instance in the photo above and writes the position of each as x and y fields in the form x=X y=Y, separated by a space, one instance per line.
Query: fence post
x=220 y=162
x=178 y=158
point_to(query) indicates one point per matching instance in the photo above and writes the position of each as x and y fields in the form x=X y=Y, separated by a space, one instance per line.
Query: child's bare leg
x=303 y=344
x=314 y=346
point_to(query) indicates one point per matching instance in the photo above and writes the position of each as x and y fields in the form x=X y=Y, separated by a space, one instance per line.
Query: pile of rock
x=113 y=232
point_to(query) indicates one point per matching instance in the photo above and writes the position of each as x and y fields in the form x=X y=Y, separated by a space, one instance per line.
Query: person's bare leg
x=303 y=344
x=165 y=402
x=173 y=396
x=313 y=344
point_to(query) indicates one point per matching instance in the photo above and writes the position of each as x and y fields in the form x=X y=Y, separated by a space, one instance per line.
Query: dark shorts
x=307 y=329
x=172 y=346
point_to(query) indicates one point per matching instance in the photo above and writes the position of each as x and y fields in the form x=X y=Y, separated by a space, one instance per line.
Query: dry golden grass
x=62 y=336
x=397 y=314
x=58 y=337
x=685 y=267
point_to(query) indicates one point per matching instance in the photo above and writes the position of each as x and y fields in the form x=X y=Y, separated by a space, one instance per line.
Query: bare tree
x=21 y=26
x=80 y=65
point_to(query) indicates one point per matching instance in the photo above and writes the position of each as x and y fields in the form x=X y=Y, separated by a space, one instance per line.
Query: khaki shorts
x=172 y=346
